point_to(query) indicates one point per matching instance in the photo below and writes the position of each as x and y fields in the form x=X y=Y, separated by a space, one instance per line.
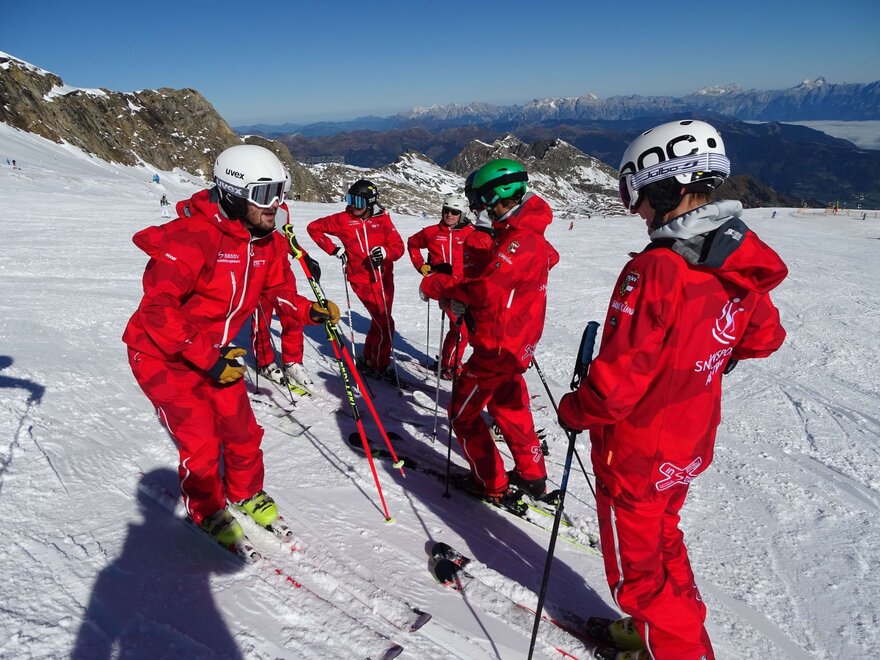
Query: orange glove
x=320 y=314
x=228 y=368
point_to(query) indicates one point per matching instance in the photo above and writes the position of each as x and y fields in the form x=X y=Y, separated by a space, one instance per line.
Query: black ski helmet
x=473 y=197
x=362 y=194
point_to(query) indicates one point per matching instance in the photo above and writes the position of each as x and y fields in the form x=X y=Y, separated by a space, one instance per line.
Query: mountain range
x=573 y=163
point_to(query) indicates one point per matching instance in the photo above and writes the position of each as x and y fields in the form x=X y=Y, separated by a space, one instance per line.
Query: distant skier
x=370 y=246
x=507 y=301
x=773 y=215
x=166 y=206
x=206 y=272
x=571 y=225
x=444 y=243
x=683 y=312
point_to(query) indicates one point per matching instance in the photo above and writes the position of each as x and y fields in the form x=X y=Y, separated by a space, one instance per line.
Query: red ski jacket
x=359 y=236
x=695 y=298
x=204 y=279
x=444 y=245
x=507 y=301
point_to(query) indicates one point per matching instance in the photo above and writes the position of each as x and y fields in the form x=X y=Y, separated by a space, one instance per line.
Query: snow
x=782 y=528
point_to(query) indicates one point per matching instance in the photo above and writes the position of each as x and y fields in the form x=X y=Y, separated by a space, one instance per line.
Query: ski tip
x=391 y=652
x=440 y=550
x=421 y=619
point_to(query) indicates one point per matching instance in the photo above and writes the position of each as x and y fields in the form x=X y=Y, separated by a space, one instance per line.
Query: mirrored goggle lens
x=628 y=195
x=451 y=211
x=356 y=201
x=266 y=194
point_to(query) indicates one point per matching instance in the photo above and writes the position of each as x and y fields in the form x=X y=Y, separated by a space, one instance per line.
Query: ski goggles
x=450 y=210
x=357 y=201
x=262 y=193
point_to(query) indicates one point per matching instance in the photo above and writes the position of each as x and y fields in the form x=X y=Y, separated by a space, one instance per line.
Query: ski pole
x=454 y=382
x=581 y=368
x=437 y=390
x=343 y=356
x=428 y=331
x=347 y=305
x=388 y=323
x=556 y=408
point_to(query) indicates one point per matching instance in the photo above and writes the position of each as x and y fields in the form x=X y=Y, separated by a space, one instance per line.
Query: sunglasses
x=451 y=211
x=356 y=201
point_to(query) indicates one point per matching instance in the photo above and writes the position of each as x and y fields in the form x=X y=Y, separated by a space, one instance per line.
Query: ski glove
x=731 y=365
x=340 y=254
x=319 y=314
x=445 y=269
x=377 y=255
x=425 y=269
x=228 y=368
x=314 y=266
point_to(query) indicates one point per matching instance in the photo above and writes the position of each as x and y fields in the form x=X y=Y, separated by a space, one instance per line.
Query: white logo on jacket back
x=675 y=475
x=725 y=325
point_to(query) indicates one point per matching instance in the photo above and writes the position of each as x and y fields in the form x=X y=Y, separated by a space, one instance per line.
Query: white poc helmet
x=249 y=173
x=456 y=203
x=689 y=151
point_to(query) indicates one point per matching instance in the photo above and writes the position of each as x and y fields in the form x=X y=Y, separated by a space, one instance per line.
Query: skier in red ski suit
x=445 y=245
x=206 y=272
x=370 y=246
x=683 y=312
x=291 y=322
x=506 y=303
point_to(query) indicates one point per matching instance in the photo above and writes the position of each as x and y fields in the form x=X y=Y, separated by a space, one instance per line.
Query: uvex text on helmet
x=501 y=178
x=690 y=151
x=248 y=173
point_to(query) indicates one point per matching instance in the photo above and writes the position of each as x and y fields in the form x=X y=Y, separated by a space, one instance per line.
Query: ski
x=406 y=416
x=556 y=636
x=528 y=510
x=393 y=610
x=593 y=631
x=368 y=643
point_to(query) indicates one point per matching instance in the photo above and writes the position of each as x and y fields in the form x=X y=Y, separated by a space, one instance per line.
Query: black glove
x=445 y=269
x=228 y=369
x=731 y=365
x=377 y=255
x=314 y=266
x=319 y=314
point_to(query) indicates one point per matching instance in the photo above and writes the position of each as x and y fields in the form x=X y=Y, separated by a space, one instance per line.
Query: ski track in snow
x=781 y=529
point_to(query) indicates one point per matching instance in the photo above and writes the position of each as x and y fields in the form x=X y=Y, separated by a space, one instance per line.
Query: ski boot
x=273 y=372
x=223 y=528
x=260 y=507
x=534 y=488
x=619 y=633
x=297 y=373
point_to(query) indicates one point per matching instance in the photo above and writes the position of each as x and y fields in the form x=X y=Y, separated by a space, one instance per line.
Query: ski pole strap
x=585 y=354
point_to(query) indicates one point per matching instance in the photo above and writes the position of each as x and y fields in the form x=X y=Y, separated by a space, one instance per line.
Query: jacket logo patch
x=513 y=247
x=725 y=325
x=675 y=475
x=628 y=284
x=228 y=258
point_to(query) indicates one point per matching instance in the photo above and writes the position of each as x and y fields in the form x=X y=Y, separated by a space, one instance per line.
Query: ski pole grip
x=585 y=355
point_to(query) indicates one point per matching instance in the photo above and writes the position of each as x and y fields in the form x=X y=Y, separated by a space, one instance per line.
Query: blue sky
x=294 y=61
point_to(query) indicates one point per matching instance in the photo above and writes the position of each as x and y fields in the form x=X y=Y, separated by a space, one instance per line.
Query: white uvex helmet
x=248 y=173
x=456 y=203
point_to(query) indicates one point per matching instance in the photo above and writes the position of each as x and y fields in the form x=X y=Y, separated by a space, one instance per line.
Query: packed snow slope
x=782 y=528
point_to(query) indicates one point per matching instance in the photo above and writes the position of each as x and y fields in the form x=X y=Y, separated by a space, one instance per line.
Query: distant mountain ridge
x=810 y=100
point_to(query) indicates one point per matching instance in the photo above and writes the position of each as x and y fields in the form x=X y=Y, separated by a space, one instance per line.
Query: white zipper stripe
x=233 y=312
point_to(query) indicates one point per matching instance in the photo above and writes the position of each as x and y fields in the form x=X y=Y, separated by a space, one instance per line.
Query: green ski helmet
x=501 y=178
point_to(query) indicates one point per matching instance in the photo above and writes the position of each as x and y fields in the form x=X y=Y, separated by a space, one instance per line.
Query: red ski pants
x=506 y=397
x=647 y=567
x=456 y=337
x=207 y=421
x=378 y=300
x=291 y=333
